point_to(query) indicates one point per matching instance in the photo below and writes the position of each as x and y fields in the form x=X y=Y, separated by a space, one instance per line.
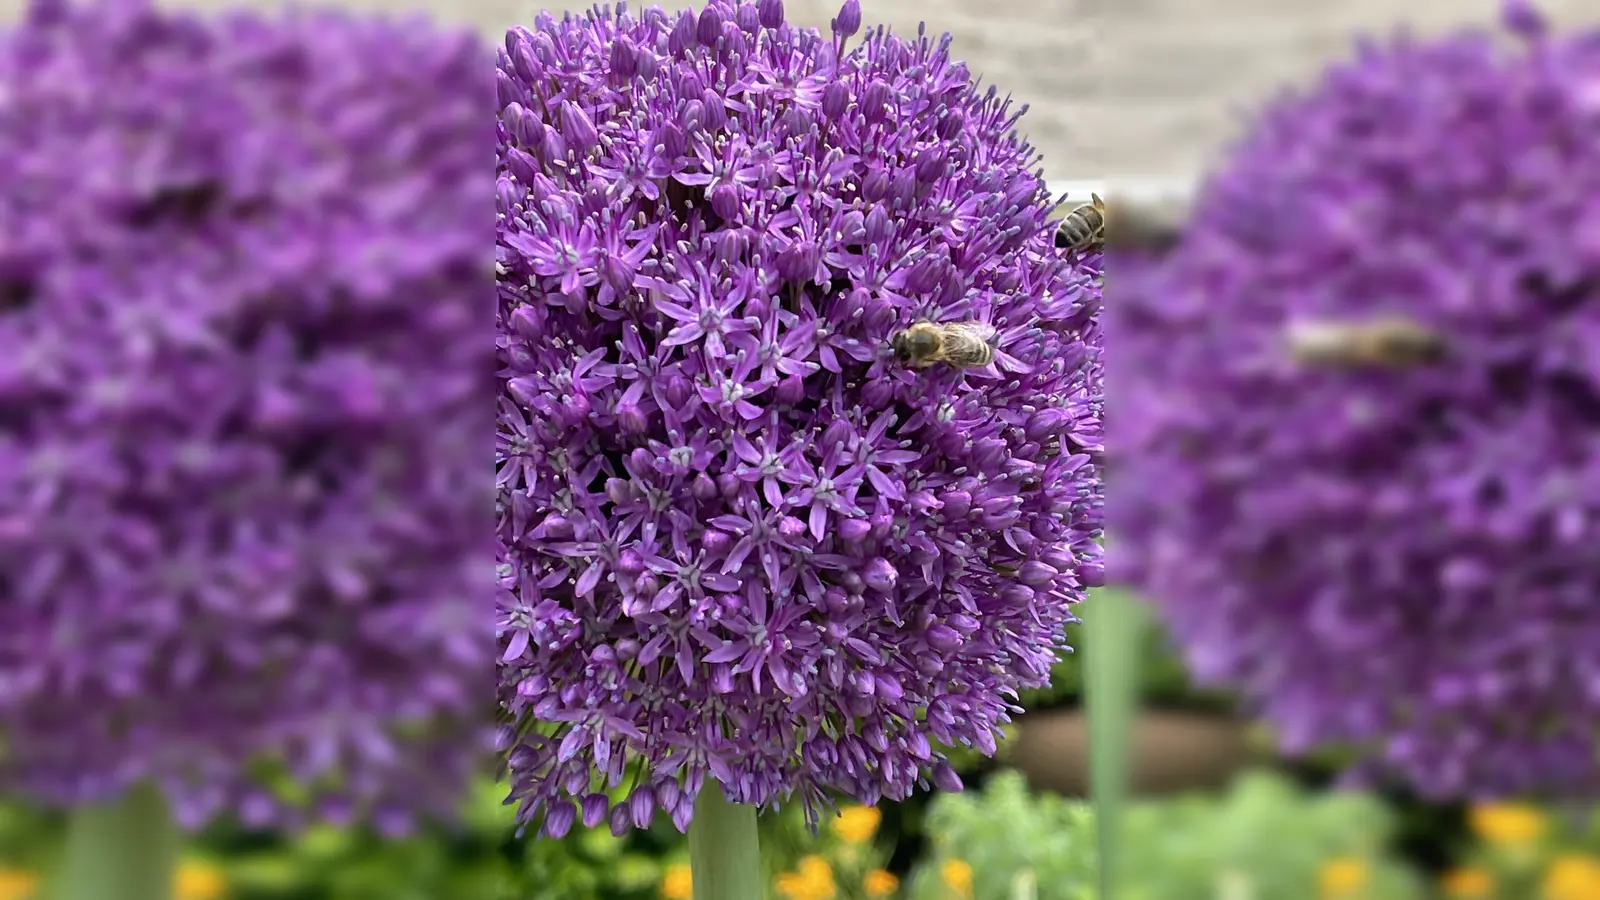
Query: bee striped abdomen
x=1084 y=228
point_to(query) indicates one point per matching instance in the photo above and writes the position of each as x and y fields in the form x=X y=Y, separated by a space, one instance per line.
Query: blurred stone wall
x=1140 y=88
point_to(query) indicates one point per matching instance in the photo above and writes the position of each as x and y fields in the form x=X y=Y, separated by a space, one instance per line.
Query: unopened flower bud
x=713 y=541
x=715 y=111
x=683 y=34
x=1036 y=574
x=595 y=807
x=880 y=575
x=748 y=19
x=798 y=261
x=647 y=65
x=848 y=21
x=577 y=127
x=671 y=143
x=725 y=201
x=710 y=26
x=942 y=638
x=930 y=165
x=853 y=531
x=835 y=99
x=771 y=13
x=624 y=60
x=875 y=101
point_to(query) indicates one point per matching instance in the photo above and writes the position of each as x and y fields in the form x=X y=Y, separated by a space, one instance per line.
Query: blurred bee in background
x=962 y=345
x=1385 y=342
x=1084 y=228
x=1143 y=228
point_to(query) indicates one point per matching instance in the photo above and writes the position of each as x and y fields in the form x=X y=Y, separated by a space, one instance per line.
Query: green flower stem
x=724 y=851
x=1111 y=690
x=123 y=850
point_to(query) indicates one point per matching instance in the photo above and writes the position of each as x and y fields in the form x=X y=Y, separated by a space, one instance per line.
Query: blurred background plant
x=1265 y=839
x=982 y=841
x=1521 y=850
x=1269 y=836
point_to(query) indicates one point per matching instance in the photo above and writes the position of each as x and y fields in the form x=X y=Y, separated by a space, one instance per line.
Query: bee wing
x=1315 y=335
x=983 y=331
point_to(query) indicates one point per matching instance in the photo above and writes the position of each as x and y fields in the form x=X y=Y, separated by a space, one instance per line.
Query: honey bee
x=1084 y=228
x=1142 y=229
x=963 y=345
x=1387 y=341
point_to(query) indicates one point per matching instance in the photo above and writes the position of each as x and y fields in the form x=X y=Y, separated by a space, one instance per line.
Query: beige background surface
x=1116 y=87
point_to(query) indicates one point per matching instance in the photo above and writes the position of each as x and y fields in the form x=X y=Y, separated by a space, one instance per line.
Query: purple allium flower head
x=244 y=299
x=738 y=539
x=1400 y=559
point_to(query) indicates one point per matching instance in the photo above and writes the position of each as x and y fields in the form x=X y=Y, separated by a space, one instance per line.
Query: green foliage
x=1265 y=839
x=1268 y=836
x=28 y=838
x=484 y=860
x=479 y=859
x=1002 y=831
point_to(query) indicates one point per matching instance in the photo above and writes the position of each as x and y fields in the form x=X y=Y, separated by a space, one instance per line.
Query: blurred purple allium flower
x=244 y=295
x=1399 y=560
x=737 y=539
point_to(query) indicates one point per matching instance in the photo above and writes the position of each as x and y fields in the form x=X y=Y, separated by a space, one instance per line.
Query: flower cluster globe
x=738 y=540
x=245 y=307
x=1395 y=559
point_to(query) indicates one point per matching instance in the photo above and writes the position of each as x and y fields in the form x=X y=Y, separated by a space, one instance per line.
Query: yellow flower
x=1572 y=877
x=1468 y=883
x=677 y=883
x=957 y=875
x=17 y=884
x=199 y=880
x=790 y=886
x=1507 y=824
x=879 y=884
x=1342 y=877
x=815 y=868
x=857 y=824
x=811 y=880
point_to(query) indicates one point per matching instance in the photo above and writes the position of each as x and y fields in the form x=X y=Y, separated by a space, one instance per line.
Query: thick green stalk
x=123 y=850
x=724 y=852
x=1111 y=687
